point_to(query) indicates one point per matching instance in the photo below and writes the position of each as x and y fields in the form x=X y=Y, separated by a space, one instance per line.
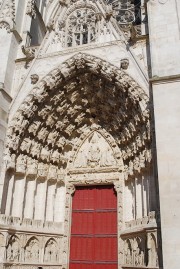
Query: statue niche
x=13 y=249
x=51 y=252
x=95 y=152
x=32 y=250
x=1 y=247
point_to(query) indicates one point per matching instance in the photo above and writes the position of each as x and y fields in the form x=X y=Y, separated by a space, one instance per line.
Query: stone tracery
x=81 y=27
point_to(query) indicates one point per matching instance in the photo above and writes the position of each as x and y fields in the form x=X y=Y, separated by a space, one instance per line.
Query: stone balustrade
x=30 y=223
x=150 y=219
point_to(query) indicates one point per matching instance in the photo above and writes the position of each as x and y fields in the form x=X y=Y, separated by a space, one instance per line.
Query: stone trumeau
x=87 y=88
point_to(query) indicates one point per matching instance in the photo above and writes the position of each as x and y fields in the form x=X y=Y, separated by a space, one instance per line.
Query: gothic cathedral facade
x=89 y=134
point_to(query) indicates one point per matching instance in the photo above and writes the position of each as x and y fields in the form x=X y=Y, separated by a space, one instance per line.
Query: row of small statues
x=31 y=251
x=139 y=252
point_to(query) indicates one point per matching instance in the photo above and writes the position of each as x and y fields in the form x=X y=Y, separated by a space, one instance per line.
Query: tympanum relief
x=95 y=152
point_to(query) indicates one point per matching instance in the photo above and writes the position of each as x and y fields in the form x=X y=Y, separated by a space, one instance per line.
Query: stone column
x=118 y=186
x=70 y=189
x=59 y=202
x=40 y=199
x=5 y=101
x=8 y=206
x=145 y=195
x=134 y=197
x=18 y=196
x=50 y=200
x=138 y=198
x=128 y=204
x=29 y=198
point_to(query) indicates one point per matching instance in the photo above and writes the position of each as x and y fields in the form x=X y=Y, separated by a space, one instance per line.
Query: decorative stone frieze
x=30 y=248
x=147 y=220
x=33 y=225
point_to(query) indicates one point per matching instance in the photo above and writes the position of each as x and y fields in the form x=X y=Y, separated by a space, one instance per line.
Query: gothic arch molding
x=82 y=91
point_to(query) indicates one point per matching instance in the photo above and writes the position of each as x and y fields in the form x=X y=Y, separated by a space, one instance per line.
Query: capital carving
x=70 y=189
x=118 y=187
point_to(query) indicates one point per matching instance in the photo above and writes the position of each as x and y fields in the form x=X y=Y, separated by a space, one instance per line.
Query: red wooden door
x=94 y=228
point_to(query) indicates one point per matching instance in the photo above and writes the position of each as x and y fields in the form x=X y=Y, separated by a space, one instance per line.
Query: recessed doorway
x=94 y=228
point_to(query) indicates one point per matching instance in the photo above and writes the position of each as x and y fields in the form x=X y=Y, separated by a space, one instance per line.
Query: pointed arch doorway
x=93 y=241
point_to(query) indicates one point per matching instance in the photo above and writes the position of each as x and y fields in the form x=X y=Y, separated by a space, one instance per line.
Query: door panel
x=106 y=222
x=94 y=228
x=80 y=247
x=82 y=223
x=106 y=249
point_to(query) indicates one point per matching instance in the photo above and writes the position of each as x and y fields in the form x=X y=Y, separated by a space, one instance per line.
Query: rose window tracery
x=81 y=27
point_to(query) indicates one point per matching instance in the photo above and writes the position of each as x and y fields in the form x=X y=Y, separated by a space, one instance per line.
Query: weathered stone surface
x=85 y=113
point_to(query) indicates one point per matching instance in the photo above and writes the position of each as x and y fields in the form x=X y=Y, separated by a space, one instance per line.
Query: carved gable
x=82 y=22
x=95 y=152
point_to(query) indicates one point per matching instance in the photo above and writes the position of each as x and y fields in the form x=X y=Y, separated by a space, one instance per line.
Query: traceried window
x=81 y=27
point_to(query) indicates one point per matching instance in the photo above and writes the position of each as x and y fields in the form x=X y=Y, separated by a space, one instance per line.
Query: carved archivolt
x=7 y=14
x=31 y=8
x=61 y=111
